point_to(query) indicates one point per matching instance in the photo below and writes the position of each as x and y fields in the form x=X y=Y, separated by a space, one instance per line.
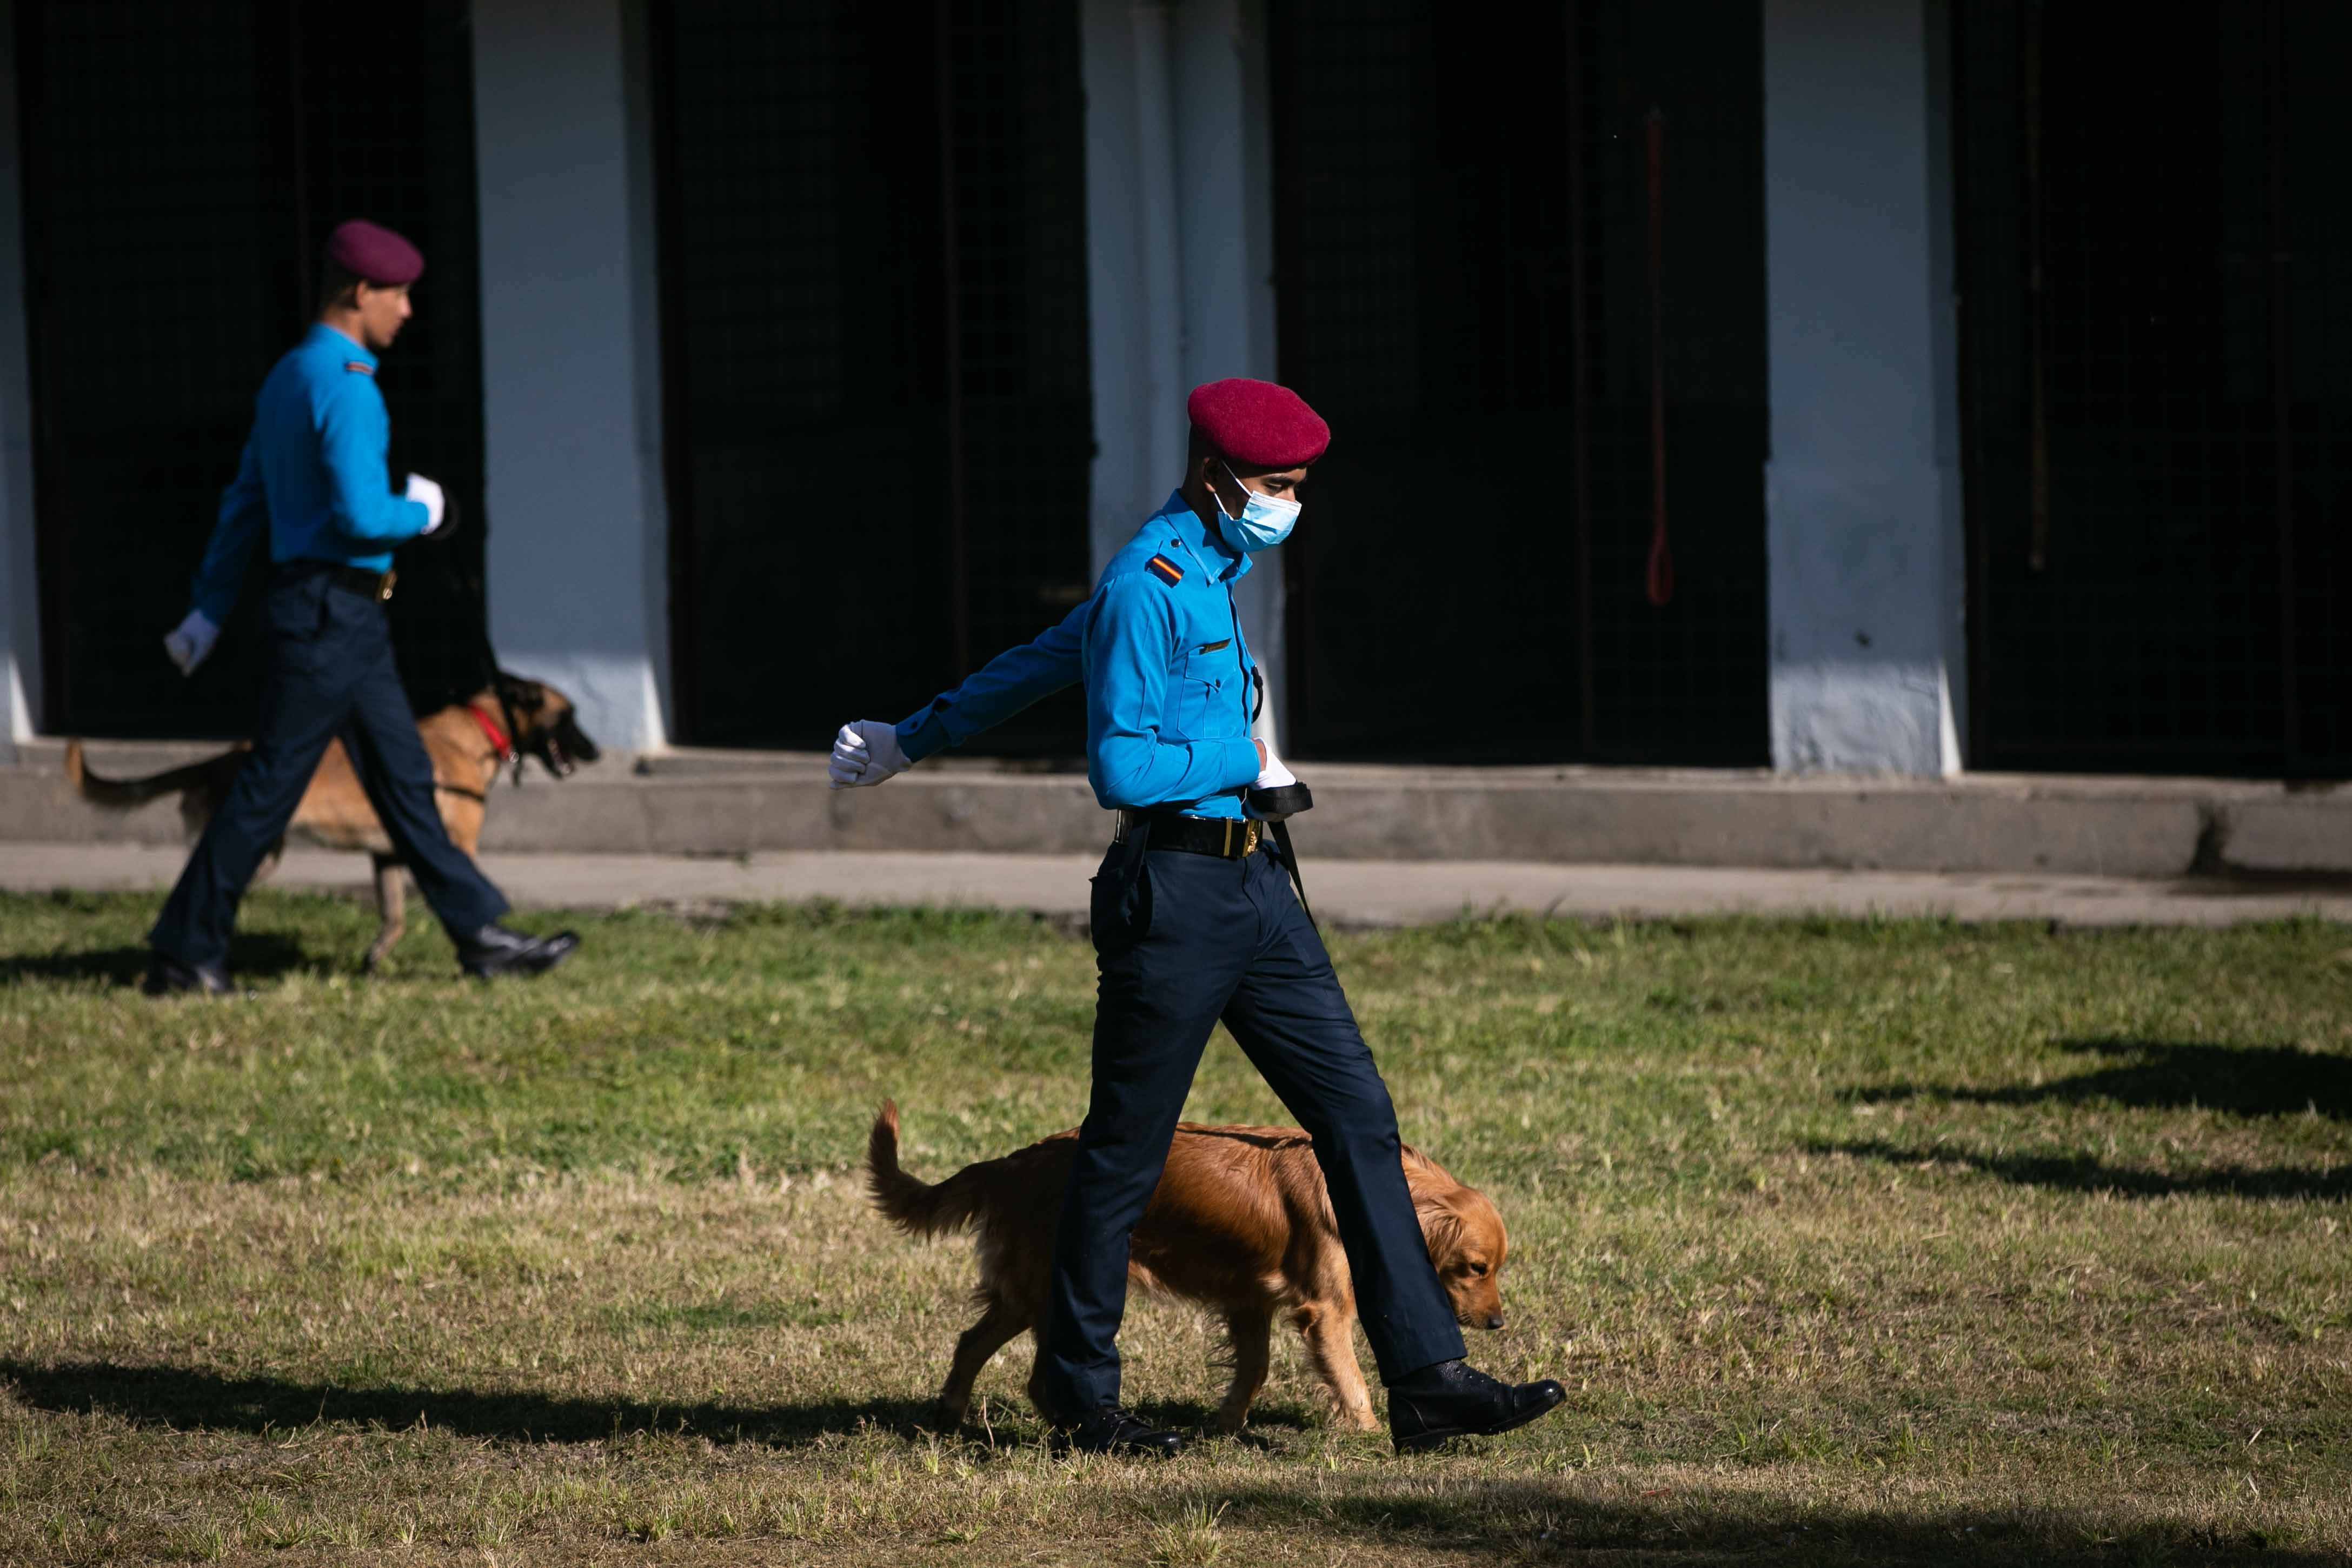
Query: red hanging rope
x=1662 y=555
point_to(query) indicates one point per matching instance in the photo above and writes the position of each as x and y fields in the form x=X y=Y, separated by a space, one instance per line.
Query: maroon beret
x=1258 y=424
x=372 y=252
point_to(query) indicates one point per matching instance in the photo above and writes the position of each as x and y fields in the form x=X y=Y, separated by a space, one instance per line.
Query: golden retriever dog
x=464 y=739
x=1240 y=1223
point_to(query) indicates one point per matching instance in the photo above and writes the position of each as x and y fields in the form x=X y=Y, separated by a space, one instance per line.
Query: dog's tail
x=122 y=794
x=915 y=1207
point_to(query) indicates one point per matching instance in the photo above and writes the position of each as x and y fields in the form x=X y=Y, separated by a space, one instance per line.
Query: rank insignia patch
x=360 y=366
x=1167 y=571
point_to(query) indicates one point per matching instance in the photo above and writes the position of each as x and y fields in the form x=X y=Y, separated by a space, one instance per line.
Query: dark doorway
x=181 y=165
x=1472 y=289
x=2156 y=236
x=874 y=313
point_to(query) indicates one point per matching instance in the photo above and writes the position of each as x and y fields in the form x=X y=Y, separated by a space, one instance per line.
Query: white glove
x=865 y=752
x=188 y=643
x=429 y=492
x=1273 y=776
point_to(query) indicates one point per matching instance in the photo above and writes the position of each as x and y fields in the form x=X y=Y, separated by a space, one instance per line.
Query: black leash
x=1290 y=799
x=1281 y=831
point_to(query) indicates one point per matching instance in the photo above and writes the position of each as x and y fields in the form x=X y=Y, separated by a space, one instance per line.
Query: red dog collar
x=490 y=730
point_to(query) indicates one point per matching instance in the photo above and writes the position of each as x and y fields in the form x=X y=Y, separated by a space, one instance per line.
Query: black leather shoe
x=494 y=950
x=1112 y=1430
x=1454 y=1399
x=167 y=976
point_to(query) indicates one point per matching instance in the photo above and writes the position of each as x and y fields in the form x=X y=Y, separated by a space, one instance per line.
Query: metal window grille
x=394 y=142
x=1467 y=288
x=180 y=166
x=879 y=401
x=2156 y=284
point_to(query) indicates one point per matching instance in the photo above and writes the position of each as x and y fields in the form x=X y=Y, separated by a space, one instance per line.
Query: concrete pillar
x=1179 y=222
x=1226 y=236
x=20 y=611
x=1868 y=662
x=579 y=567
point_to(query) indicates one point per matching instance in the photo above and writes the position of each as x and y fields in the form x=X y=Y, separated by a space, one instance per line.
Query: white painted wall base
x=1860 y=679
x=1862 y=498
x=1852 y=718
x=577 y=572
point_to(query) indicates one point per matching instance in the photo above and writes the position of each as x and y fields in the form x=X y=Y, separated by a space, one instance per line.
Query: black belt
x=376 y=585
x=1227 y=837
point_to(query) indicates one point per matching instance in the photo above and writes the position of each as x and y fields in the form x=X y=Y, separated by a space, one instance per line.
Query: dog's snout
x=575 y=740
x=1494 y=1320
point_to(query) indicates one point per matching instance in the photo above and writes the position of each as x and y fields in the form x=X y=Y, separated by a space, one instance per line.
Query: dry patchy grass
x=1854 y=1242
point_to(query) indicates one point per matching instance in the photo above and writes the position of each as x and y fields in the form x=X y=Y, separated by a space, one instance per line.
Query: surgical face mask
x=1264 y=522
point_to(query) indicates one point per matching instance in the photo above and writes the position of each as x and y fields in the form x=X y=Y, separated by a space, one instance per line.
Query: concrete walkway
x=1347 y=892
x=759 y=803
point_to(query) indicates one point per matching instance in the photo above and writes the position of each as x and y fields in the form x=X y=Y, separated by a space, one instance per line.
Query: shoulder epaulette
x=360 y=366
x=1167 y=571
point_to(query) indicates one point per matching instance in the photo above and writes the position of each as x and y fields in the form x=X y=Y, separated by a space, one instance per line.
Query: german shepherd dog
x=1240 y=1223
x=469 y=742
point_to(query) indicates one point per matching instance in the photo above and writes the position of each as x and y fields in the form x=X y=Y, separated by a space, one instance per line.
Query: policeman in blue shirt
x=1193 y=922
x=314 y=480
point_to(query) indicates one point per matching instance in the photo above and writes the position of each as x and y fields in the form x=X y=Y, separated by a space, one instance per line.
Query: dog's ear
x=521 y=693
x=1440 y=1227
x=1481 y=1225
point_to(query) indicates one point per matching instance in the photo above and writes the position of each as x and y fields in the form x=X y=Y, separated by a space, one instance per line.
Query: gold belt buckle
x=383 y=588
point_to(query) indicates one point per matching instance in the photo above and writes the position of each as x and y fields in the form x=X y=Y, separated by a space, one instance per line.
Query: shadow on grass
x=1540 y=1522
x=2255 y=1080
x=2083 y=1173
x=194 y=1399
x=188 y=1398
x=264 y=956
x=1408 y=1505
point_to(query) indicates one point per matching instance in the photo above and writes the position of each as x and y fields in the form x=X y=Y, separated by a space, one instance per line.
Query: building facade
x=1826 y=385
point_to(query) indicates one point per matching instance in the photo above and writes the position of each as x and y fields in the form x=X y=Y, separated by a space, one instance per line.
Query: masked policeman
x=314 y=480
x=1194 y=922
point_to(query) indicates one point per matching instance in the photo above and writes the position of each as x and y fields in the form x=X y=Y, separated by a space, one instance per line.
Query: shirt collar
x=342 y=342
x=1218 y=561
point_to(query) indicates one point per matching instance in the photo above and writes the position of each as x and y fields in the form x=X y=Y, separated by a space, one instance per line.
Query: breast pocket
x=1203 y=693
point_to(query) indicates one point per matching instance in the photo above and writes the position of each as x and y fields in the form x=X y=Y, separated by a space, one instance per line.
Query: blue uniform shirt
x=313 y=473
x=1169 y=676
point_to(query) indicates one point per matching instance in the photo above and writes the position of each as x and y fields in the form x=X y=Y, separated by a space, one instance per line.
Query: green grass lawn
x=1853 y=1242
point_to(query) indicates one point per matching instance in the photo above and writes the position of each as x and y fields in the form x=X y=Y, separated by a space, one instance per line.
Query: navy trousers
x=330 y=673
x=1182 y=940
